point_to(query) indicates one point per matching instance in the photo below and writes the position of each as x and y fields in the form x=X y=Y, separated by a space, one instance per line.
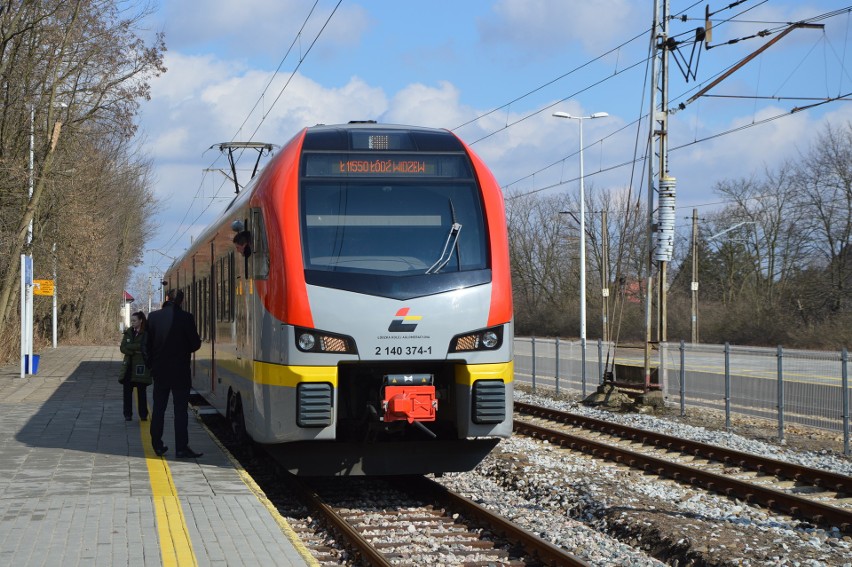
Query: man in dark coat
x=170 y=341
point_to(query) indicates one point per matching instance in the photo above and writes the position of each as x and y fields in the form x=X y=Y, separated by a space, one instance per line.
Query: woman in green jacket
x=134 y=373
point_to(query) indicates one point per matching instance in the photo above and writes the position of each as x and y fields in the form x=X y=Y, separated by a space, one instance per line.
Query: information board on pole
x=28 y=270
x=42 y=287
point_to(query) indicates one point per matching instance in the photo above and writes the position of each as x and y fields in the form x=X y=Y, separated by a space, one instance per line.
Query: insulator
x=664 y=245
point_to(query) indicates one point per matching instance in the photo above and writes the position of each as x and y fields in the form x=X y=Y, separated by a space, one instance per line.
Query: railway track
x=818 y=496
x=413 y=521
x=400 y=521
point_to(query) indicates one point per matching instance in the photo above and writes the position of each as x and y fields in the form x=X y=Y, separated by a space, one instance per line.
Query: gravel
x=609 y=514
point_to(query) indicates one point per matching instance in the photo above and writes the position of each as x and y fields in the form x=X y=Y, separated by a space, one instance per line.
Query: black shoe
x=161 y=451
x=188 y=454
x=128 y=417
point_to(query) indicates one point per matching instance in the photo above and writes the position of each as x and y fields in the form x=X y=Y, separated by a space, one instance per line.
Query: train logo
x=400 y=325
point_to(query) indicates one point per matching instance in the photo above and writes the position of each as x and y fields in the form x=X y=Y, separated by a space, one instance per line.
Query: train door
x=243 y=311
x=215 y=291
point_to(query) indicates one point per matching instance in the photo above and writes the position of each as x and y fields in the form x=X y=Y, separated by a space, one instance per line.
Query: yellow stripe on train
x=290 y=376
x=467 y=374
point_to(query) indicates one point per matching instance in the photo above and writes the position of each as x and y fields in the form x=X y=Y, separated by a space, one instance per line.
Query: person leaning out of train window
x=242 y=242
x=135 y=375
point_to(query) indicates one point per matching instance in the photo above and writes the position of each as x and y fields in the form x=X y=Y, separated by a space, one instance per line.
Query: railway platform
x=79 y=485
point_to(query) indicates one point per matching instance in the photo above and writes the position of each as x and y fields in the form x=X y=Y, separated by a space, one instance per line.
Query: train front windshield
x=426 y=224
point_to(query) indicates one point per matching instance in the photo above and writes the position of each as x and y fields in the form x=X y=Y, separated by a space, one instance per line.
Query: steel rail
x=545 y=551
x=363 y=547
x=768 y=497
x=826 y=479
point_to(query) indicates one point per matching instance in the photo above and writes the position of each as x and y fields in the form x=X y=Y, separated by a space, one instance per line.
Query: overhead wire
x=681 y=96
x=550 y=82
x=178 y=234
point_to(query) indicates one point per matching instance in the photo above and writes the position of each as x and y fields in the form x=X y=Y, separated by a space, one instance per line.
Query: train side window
x=232 y=286
x=225 y=297
x=260 y=246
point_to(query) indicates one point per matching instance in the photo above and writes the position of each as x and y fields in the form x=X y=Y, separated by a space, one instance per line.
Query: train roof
x=356 y=136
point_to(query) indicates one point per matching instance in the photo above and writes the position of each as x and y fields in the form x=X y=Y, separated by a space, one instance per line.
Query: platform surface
x=79 y=485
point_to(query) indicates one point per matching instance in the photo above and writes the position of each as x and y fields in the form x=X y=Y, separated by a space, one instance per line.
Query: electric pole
x=694 y=286
x=605 y=278
x=661 y=230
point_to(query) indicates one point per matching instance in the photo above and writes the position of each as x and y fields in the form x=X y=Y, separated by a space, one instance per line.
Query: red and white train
x=369 y=330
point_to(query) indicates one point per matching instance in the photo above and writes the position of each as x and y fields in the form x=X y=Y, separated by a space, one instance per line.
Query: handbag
x=125 y=371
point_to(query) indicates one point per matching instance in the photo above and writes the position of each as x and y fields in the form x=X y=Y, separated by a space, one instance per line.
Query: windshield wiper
x=447 y=252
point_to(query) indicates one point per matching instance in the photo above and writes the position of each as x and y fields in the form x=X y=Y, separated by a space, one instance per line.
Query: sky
x=493 y=72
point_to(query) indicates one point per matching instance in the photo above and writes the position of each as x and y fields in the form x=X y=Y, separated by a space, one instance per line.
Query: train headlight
x=484 y=339
x=490 y=339
x=313 y=340
x=307 y=341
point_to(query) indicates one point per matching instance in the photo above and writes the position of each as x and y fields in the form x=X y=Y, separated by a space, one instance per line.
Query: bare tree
x=71 y=70
x=824 y=182
x=543 y=271
x=776 y=239
x=625 y=258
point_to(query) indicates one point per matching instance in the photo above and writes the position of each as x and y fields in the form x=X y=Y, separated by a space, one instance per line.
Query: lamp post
x=580 y=119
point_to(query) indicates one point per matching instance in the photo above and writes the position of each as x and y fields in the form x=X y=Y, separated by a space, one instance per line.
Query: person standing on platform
x=134 y=373
x=170 y=341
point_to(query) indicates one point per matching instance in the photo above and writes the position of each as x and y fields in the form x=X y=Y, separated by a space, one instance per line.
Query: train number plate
x=403 y=350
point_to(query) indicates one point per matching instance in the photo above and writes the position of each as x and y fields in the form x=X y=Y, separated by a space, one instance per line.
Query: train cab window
x=393 y=229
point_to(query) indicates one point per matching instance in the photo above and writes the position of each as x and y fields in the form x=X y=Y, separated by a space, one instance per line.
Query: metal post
x=31 y=170
x=682 y=378
x=600 y=361
x=694 y=276
x=844 y=382
x=653 y=126
x=780 y=356
x=29 y=285
x=582 y=255
x=23 y=315
x=533 y=364
x=583 y=363
x=580 y=119
x=727 y=387
x=557 y=366
x=55 y=291
x=605 y=279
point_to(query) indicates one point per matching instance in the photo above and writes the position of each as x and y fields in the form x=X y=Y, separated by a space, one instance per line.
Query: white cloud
x=535 y=25
x=422 y=105
x=221 y=27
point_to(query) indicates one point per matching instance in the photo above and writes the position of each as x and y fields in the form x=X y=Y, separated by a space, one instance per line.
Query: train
x=355 y=304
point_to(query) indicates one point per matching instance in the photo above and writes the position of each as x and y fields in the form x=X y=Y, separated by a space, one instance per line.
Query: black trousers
x=141 y=398
x=180 y=402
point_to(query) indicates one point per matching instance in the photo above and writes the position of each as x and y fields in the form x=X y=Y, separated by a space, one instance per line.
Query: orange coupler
x=412 y=403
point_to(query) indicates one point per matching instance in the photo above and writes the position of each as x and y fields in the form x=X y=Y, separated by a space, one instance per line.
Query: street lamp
x=580 y=119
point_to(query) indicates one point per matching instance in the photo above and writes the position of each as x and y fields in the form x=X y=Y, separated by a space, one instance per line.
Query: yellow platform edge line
x=283 y=524
x=175 y=544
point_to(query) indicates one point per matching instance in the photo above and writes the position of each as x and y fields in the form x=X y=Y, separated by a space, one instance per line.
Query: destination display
x=403 y=165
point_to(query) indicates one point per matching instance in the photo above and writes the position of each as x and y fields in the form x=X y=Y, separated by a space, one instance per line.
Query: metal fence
x=784 y=385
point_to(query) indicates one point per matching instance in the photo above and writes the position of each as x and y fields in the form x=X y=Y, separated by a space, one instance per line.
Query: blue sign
x=28 y=270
